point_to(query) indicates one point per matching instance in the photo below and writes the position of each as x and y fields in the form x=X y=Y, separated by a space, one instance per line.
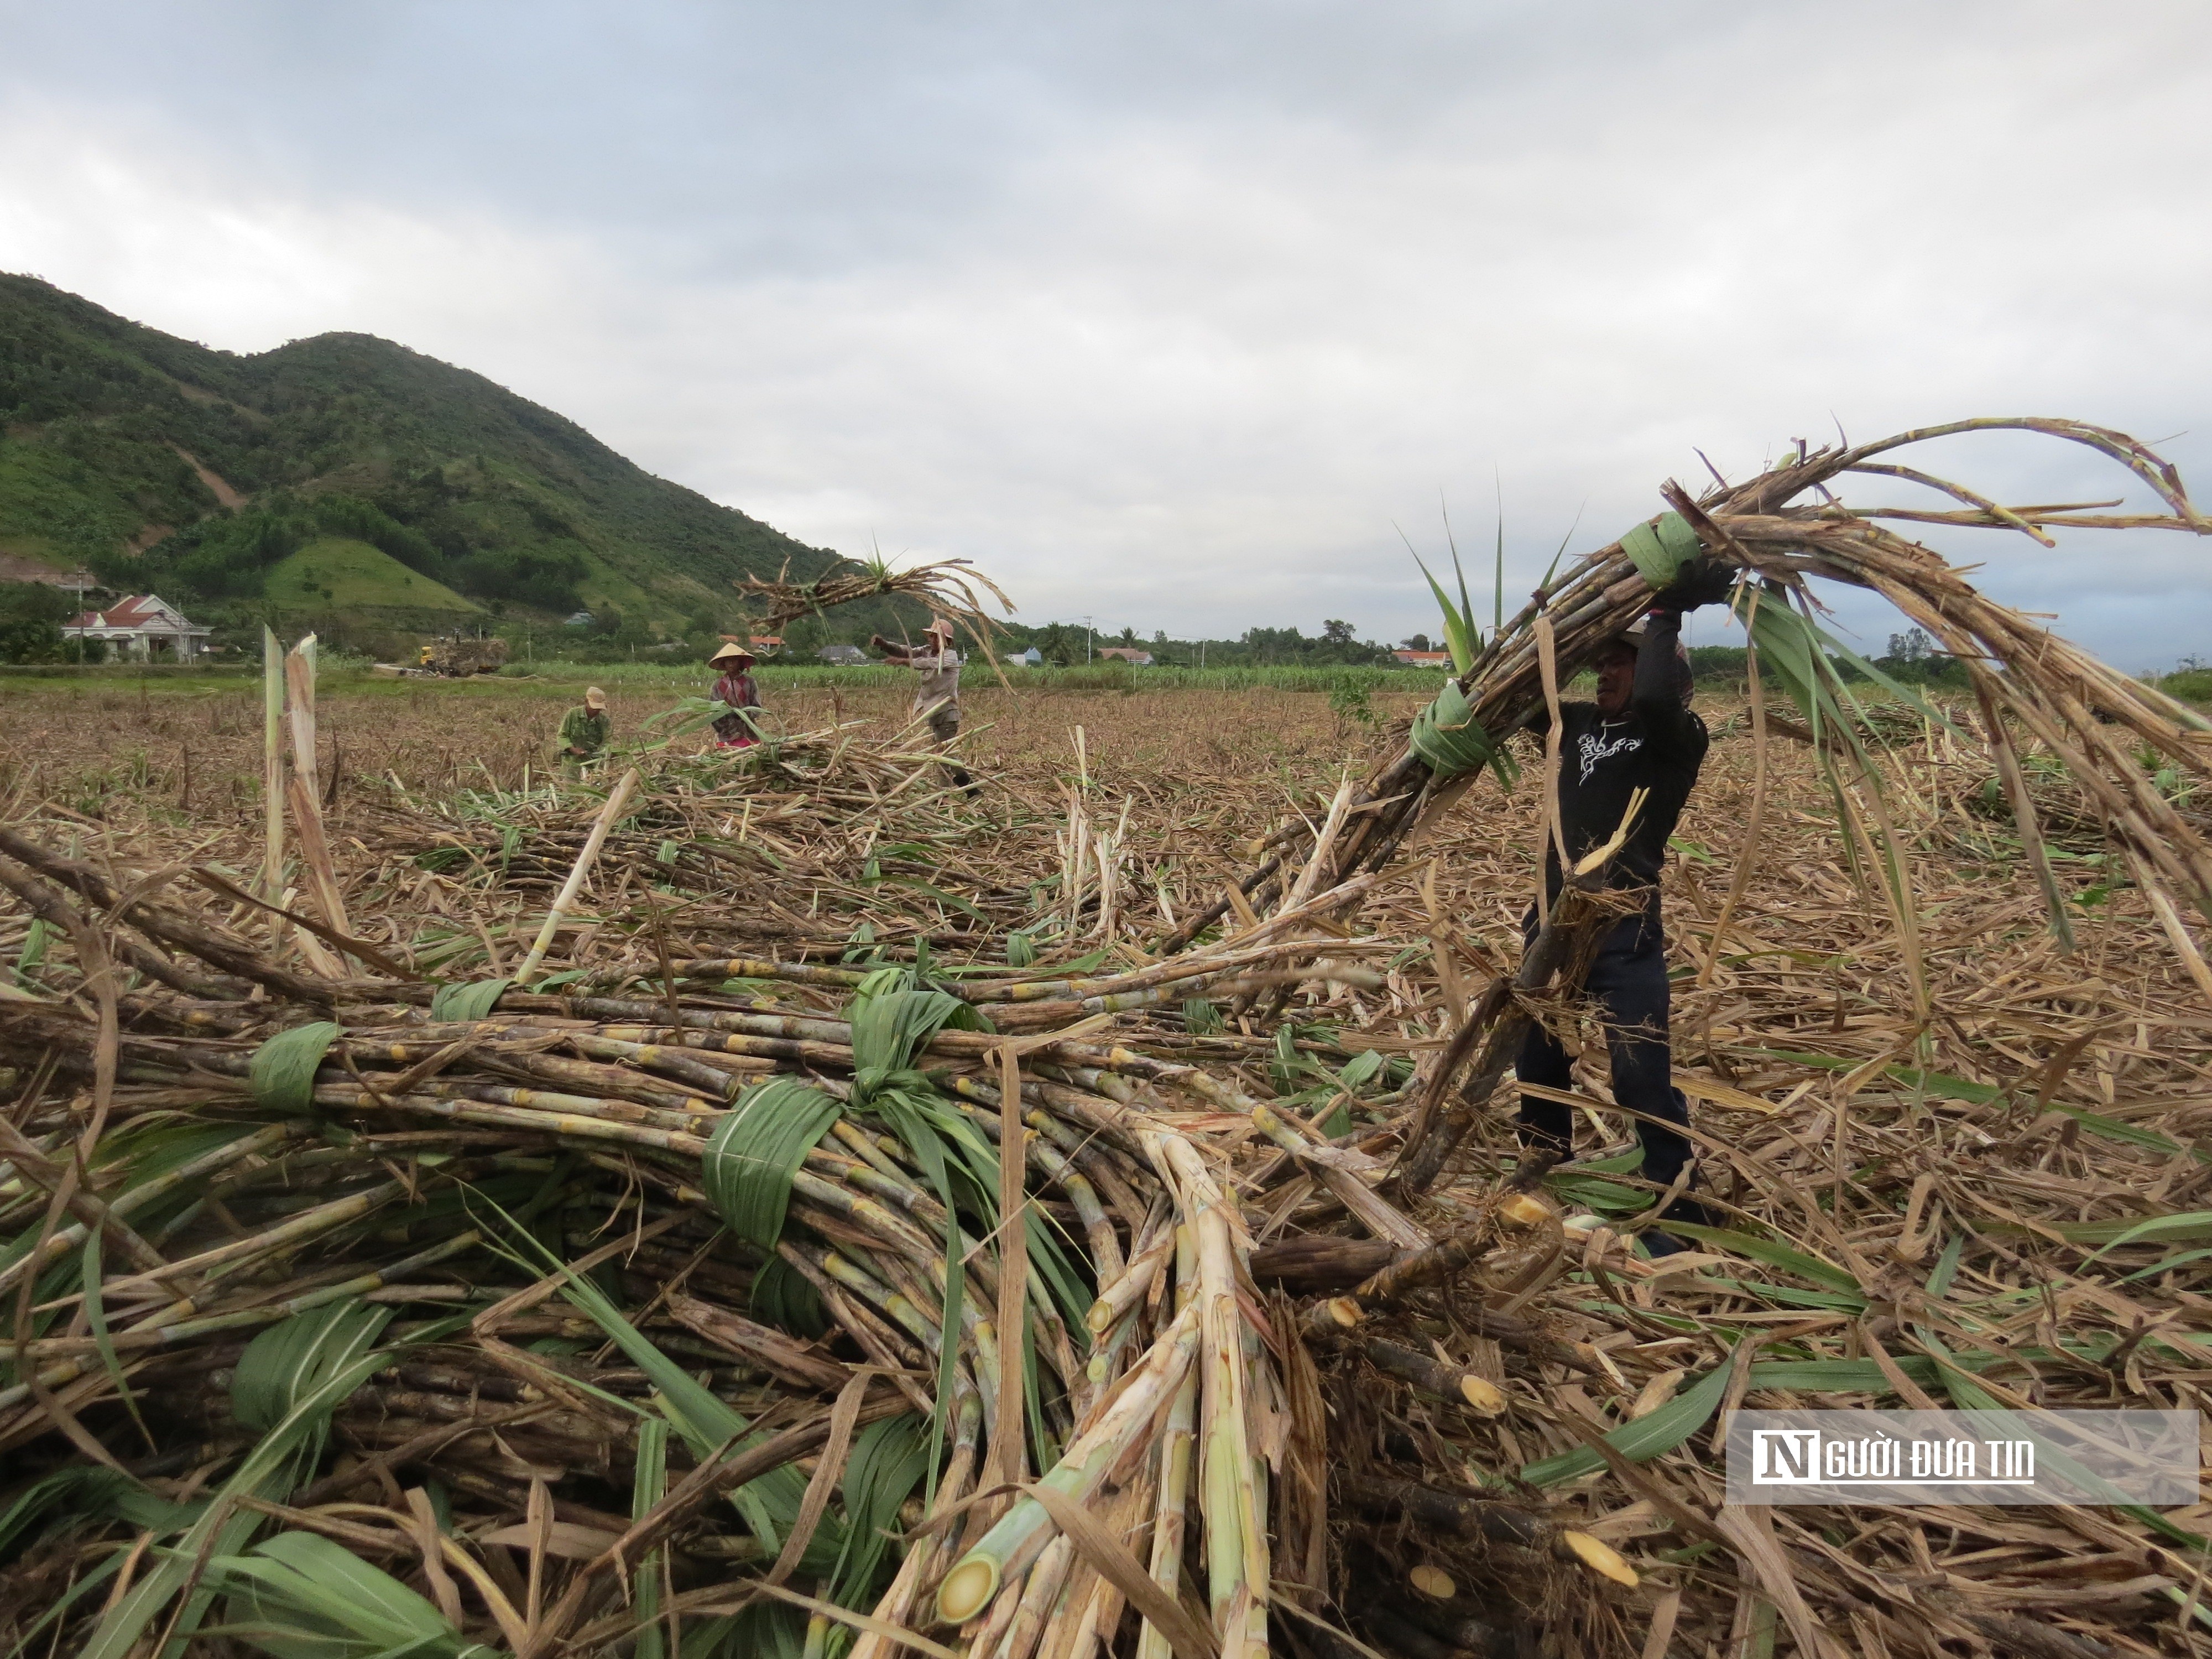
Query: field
x=1059 y=1198
x=2003 y=1203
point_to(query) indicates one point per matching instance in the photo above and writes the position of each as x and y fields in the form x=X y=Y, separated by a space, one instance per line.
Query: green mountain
x=350 y=483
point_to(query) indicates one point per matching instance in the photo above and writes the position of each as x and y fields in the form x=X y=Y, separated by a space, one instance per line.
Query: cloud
x=1170 y=315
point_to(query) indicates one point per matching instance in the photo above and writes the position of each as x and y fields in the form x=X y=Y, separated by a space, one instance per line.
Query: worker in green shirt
x=583 y=734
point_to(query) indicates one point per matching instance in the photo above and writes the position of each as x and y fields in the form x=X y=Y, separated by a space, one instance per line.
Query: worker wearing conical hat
x=736 y=690
x=584 y=733
x=1639 y=734
x=937 y=690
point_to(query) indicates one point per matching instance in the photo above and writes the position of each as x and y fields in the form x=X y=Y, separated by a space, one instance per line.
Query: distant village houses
x=1423 y=659
x=1029 y=659
x=144 y=627
x=1130 y=654
x=844 y=656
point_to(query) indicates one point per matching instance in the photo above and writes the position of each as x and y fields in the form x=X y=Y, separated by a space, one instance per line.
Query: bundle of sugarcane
x=2032 y=688
x=2084 y=714
x=949 y=587
x=221 y=1203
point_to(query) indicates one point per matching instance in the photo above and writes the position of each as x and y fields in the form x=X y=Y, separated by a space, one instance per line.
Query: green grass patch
x=338 y=572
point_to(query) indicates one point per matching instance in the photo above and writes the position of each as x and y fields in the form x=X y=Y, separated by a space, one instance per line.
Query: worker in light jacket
x=1639 y=734
x=937 y=687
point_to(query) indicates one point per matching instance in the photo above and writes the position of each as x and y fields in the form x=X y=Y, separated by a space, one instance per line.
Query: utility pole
x=1087 y=632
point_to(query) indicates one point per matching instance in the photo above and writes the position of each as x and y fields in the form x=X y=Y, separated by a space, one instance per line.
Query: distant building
x=1029 y=659
x=581 y=619
x=766 y=645
x=1424 y=658
x=845 y=656
x=143 y=627
x=1126 y=654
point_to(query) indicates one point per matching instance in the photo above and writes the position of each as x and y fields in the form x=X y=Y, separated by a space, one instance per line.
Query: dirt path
x=215 y=481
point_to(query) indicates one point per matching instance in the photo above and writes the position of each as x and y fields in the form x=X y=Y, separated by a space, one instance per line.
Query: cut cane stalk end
x=1600 y=1557
x=1525 y=1210
x=1345 y=1311
x=1432 y=1581
x=968 y=1588
x=1482 y=1398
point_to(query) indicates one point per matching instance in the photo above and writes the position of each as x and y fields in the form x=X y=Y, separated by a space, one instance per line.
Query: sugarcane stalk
x=1236 y=1539
x=1171 y=1515
x=1133 y=1285
x=1047 y=1579
x=1434 y=1376
x=577 y=871
x=1015 y=1539
x=1371 y=1208
x=273 y=772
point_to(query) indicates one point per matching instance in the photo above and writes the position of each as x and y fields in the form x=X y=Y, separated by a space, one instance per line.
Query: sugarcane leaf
x=1968 y=1395
x=784 y=1297
x=1838 y=1375
x=1657 y=547
x=1768 y=1250
x=92 y=1491
x=1675 y=537
x=1457 y=626
x=1361 y=1069
x=648 y=1485
x=2165 y=1267
x=218 y=1529
x=2186 y=1228
x=756 y=1148
x=708 y=1425
x=888 y=1461
x=462 y=1004
x=282 y=1069
x=95 y=1315
x=1643 y=1439
x=1947 y=1267
x=290 y=1360
x=299 y=1595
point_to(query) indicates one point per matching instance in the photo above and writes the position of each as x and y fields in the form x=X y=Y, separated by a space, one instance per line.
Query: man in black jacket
x=1639 y=734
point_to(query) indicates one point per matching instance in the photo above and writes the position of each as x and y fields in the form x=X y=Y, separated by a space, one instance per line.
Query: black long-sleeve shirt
x=1657 y=744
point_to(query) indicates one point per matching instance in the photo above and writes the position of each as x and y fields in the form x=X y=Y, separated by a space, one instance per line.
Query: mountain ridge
x=111 y=431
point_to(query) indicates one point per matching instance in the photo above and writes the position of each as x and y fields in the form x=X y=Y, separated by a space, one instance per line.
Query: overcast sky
x=1170 y=313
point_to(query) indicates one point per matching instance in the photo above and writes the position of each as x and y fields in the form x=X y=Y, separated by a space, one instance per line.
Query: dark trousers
x=1628 y=983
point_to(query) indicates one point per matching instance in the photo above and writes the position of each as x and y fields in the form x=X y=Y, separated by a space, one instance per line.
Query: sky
x=1191 y=317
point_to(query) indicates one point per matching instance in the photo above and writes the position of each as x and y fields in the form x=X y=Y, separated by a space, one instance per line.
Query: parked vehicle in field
x=458 y=657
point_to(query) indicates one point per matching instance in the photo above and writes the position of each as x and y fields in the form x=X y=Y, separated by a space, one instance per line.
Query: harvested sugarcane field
x=460 y=1205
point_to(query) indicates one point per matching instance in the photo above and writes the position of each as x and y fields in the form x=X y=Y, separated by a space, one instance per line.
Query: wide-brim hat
x=594 y=698
x=940 y=626
x=731 y=654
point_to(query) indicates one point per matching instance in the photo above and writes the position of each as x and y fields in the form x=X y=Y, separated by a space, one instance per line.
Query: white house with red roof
x=144 y=626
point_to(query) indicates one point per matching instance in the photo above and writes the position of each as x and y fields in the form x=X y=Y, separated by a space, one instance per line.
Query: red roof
x=139 y=611
x=1423 y=659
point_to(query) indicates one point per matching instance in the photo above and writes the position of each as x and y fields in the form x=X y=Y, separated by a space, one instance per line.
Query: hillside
x=160 y=463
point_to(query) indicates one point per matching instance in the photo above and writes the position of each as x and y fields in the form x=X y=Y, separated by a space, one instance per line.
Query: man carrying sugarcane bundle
x=584 y=733
x=937 y=692
x=1639 y=734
